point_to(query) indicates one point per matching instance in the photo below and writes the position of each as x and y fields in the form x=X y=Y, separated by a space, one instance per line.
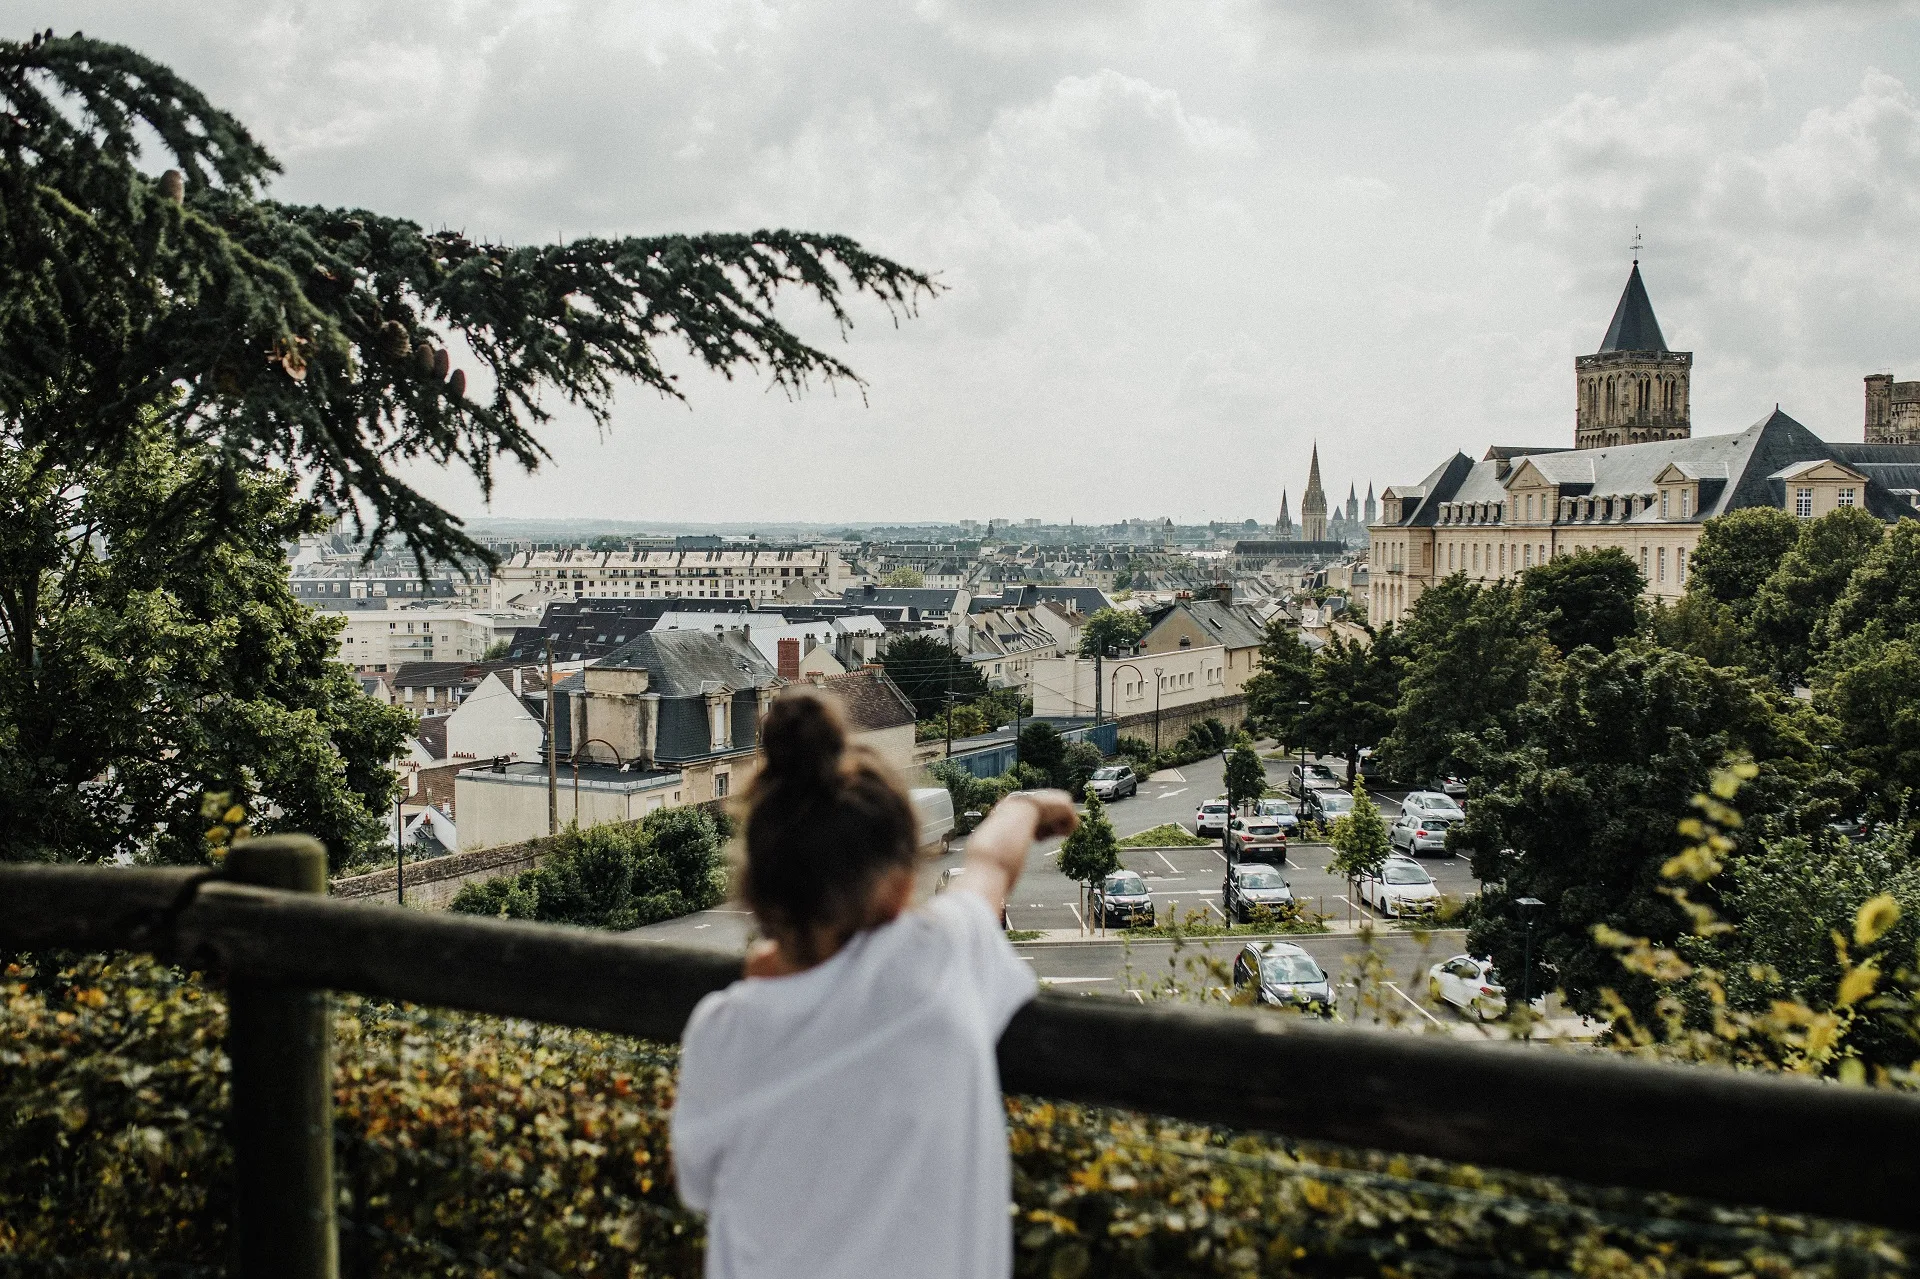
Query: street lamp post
x=574 y=757
x=1528 y=906
x=1115 y=698
x=1226 y=845
x=1158 y=684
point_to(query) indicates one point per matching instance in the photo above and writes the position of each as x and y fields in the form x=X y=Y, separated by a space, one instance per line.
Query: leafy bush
x=1082 y=758
x=616 y=876
x=1134 y=749
x=478 y=1145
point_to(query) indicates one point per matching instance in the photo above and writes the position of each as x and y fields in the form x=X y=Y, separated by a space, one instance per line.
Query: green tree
x=1355 y=691
x=911 y=578
x=1589 y=597
x=1078 y=763
x=325 y=341
x=1870 y=687
x=1473 y=654
x=927 y=668
x=1041 y=747
x=1882 y=595
x=616 y=876
x=1246 y=775
x=1091 y=852
x=134 y=679
x=1582 y=812
x=1701 y=625
x=1110 y=629
x=1359 y=839
x=1793 y=602
x=1738 y=552
x=1282 y=680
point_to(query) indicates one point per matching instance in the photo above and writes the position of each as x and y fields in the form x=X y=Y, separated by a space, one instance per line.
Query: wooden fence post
x=282 y=1117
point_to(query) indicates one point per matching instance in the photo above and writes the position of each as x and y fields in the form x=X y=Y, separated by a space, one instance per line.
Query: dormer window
x=1663 y=504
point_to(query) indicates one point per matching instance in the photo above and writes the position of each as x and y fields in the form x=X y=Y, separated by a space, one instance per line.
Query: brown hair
x=825 y=819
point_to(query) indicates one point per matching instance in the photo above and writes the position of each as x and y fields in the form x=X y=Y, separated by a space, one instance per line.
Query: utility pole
x=399 y=854
x=1096 y=688
x=553 y=760
x=950 y=708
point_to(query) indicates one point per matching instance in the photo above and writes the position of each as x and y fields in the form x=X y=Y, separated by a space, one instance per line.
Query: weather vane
x=1638 y=243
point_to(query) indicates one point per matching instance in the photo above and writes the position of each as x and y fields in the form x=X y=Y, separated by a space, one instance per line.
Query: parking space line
x=1076 y=915
x=1137 y=995
x=1216 y=910
x=1411 y=1000
x=1170 y=865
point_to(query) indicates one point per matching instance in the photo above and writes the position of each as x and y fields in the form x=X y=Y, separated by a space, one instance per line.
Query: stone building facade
x=1893 y=410
x=1633 y=389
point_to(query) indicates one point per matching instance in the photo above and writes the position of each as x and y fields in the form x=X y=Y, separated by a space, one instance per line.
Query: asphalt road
x=1190 y=880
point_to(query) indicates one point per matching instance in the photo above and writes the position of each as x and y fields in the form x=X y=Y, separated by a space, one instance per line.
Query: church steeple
x=1372 y=511
x=1283 y=528
x=1313 y=504
x=1632 y=389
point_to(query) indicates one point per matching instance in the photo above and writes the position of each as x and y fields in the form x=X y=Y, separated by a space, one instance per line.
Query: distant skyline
x=1181 y=243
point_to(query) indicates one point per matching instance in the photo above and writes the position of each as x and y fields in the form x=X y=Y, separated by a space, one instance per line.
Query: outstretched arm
x=997 y=852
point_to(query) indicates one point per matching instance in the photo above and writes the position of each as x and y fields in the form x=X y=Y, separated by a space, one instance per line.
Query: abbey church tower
x=1632 y=389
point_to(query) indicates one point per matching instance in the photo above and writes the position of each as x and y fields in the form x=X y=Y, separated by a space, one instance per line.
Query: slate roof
x=868 y=699
x=1231 y=624
x=689 y=663
x=432 y=733
x=1082 y=599
x=927 y=599
x=1633 y=327
x=1734 y=471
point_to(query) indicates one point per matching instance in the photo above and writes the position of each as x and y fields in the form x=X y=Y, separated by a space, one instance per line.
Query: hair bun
x=803 y=738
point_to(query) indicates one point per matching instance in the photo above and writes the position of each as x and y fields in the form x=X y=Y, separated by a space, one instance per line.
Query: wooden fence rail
x=1737 y=1138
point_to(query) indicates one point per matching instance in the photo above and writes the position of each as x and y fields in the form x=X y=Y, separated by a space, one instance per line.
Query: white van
x=934 y=806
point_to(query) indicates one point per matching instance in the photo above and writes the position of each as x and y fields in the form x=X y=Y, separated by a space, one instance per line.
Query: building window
x=1661 y=560
x=1680 y=565
x=1663 y=504
x=720 y=781
x=1643 y=561
x=1686 y=500
x=1845 y=497
x=1529 y=506
x=1803 y=503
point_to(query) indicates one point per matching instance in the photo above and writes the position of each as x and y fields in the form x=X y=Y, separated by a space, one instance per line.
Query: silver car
x=1115 y=781
x=1415 y=834
x=1283 y=974
x=1428 y=803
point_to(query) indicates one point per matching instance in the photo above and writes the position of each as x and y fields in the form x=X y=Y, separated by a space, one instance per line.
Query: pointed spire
x=1369 y=490
x=1313 y=471
x=1633 y=327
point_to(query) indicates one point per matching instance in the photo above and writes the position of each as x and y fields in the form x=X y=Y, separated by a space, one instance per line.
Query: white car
x=1210 y=818
x=1431 y=803
x=1402 y=888
x=1469 y=984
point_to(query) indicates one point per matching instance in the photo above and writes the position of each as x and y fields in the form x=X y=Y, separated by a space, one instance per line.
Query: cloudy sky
x=1181 y=241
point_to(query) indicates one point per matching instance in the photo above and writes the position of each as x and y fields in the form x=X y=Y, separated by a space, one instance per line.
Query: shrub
x=1081 y=759
x=1166 y=835
x=615 y=876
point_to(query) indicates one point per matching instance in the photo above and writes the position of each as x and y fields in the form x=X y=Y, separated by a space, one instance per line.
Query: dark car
x=1325 y=805
x=1284 y=975
x=1250 y=885
x=1115 y=781
x=1120 y=901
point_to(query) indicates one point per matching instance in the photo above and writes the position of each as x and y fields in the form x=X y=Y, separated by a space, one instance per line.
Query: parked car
x=1431 y=803
x=1312 y=777
x=1283 y=974
x=1325 y=805
x=1116 y=781
x=947 y=879
x=1854 y=828
x=1454 y=788
x=1120 y=900
x=1210 y=818
x=1402 y=888
x=1251 y=884
x=1416 y=834
x=1470 y=984
x=1281 y=810
x=1255 y=836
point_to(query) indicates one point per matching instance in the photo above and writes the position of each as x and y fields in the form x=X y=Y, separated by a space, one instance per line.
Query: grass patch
x=1166 y=835
x=1024 y=934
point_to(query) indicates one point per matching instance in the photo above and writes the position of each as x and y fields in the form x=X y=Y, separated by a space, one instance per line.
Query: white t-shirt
x=847 y=1121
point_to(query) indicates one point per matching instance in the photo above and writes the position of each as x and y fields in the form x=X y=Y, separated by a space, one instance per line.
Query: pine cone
x=173 y=186
x=441 y=363
x=423 y=358
x=393 y=340
x=458 y=386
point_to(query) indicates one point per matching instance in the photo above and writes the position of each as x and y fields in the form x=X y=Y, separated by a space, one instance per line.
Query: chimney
x=519 y=681
x=789 y=664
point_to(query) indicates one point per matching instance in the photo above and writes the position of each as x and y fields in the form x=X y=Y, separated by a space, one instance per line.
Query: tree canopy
x=335 y=343
x=1282 y=681
x=1736 y=554
x=1111 y=629
x=1354 y=691
x=1588 y=597
x=927 y=668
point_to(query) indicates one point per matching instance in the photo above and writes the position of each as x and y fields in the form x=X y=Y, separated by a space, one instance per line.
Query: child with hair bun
x=840 y=1111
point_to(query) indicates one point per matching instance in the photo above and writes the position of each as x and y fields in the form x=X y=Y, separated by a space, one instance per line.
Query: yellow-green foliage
x=477 y=1146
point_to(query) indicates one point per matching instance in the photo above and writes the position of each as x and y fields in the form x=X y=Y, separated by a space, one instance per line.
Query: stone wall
x=1174 y=722
x=433 y=882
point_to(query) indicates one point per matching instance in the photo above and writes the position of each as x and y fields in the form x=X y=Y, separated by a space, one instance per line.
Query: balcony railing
x=1732 y=1138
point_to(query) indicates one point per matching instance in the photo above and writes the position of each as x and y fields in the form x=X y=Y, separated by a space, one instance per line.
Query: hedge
x=473 y=1145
